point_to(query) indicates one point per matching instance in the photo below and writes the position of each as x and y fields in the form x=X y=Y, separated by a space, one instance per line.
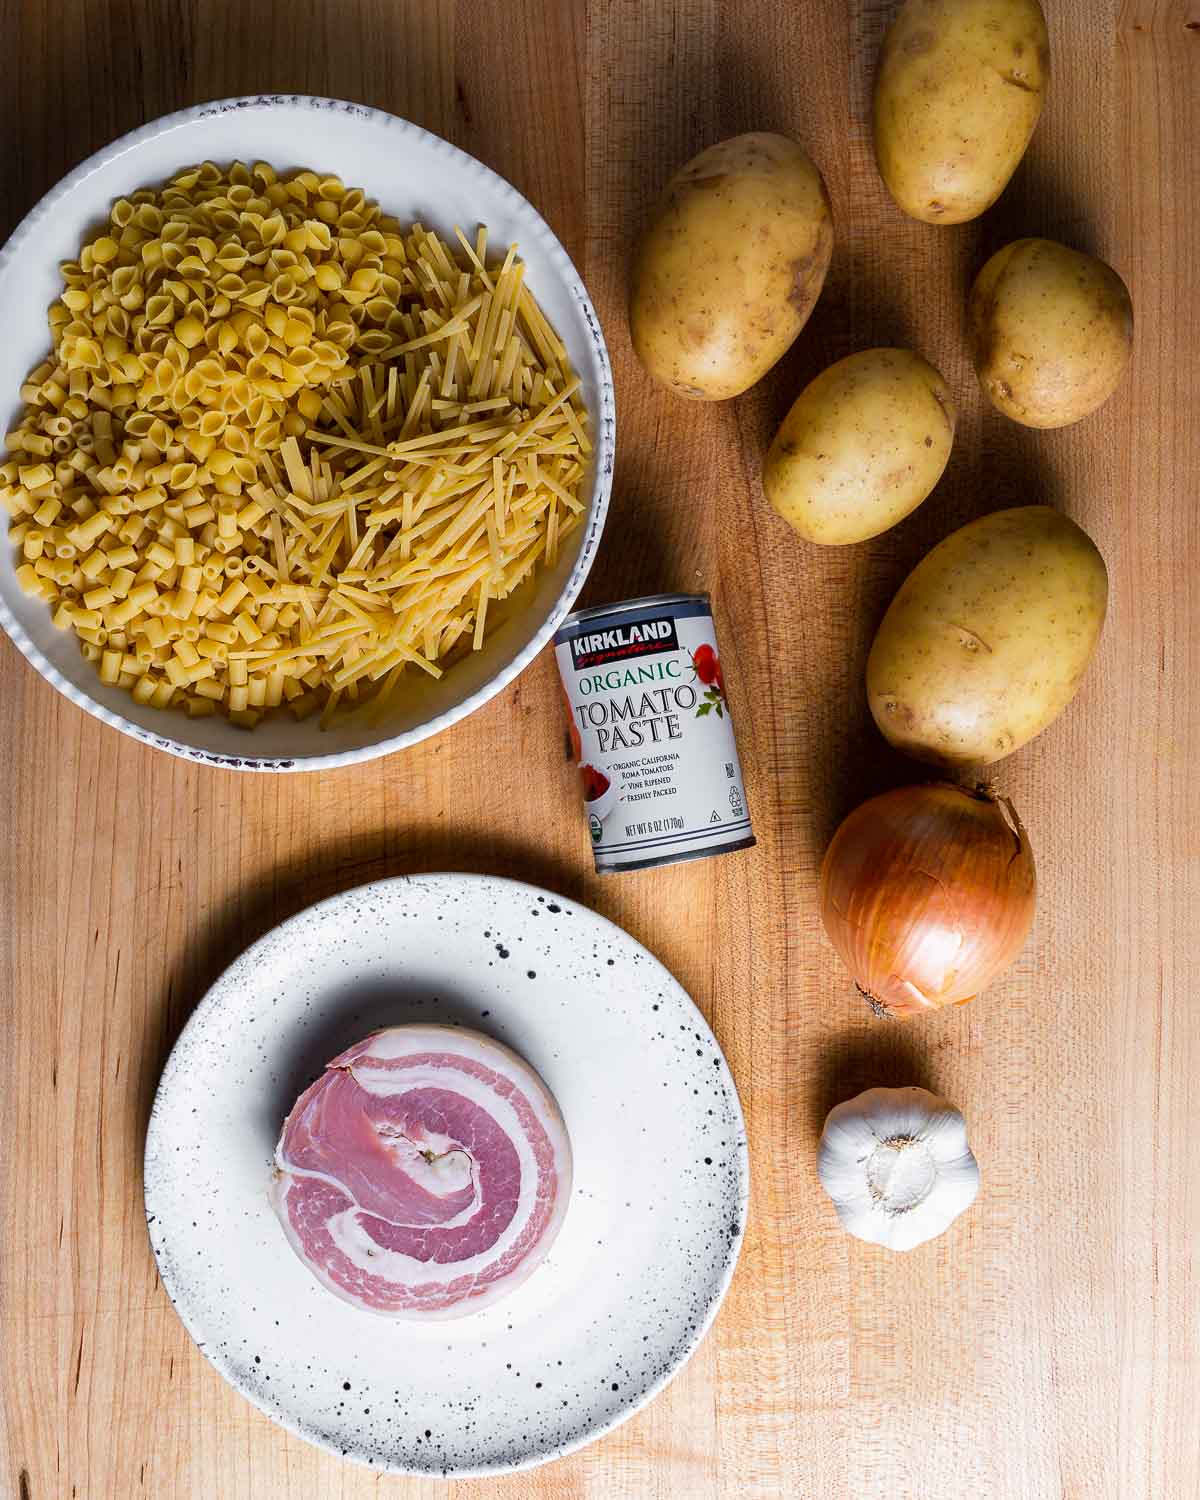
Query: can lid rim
x=623 y=606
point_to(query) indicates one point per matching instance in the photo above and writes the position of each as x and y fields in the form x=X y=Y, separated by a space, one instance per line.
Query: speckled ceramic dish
x=651 y=1234
x=414 y=175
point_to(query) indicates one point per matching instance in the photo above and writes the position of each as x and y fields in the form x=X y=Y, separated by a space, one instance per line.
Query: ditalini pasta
x=284 y=450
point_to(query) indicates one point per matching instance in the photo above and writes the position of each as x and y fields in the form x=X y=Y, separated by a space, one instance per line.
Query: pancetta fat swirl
x=425 y=1174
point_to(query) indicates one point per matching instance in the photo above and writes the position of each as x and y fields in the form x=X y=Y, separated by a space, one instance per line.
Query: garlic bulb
x=897 y=1165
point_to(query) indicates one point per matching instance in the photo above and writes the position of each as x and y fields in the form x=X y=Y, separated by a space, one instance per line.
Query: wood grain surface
x=1048 y=1345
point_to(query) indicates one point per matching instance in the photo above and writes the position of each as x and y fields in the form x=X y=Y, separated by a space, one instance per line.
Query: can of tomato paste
x=651 y=732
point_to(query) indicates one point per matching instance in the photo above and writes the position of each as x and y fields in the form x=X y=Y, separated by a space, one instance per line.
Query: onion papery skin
x=928 y=894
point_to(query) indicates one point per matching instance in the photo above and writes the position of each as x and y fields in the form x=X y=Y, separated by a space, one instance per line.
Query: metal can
x=651 y=732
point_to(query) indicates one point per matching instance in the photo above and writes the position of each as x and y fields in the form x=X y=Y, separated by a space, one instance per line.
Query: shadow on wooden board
x=852 y=313
x=886 y=1057
x=250 y=913
x=135 y=62
x=640 y=565
x=1041 y=202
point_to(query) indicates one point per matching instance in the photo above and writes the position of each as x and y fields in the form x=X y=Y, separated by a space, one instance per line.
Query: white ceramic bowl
x=414 y=175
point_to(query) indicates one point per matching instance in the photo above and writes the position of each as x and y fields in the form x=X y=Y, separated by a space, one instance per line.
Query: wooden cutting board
x=1048 y=1345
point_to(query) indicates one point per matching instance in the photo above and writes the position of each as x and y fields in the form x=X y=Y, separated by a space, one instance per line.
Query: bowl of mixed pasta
x=309 y=431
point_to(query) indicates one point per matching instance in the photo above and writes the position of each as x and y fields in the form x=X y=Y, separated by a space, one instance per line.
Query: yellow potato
x=730 y=266
x=957 y=96
x=988 y=638
x=1050 y=331
x=863 y=445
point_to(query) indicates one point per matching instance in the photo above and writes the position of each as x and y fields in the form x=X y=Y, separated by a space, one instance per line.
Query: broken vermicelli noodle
x=284 y=450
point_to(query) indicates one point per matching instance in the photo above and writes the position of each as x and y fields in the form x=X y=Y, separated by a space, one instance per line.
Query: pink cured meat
x=425 y=1174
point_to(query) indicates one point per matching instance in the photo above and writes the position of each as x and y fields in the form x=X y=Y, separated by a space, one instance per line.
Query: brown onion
x=927 y=893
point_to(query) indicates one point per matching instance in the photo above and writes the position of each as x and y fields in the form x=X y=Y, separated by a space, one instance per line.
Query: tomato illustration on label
x=706 y=664
x=595 y=783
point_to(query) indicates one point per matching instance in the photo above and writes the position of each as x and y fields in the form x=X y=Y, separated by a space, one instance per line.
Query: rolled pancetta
x=425 y=1174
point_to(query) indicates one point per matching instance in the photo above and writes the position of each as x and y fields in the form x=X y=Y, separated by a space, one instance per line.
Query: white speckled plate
x=657 y=1207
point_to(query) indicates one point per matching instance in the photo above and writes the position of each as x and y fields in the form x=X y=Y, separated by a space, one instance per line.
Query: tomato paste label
x=651 y=732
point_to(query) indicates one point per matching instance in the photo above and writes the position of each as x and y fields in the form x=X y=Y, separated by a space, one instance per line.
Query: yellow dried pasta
x=284 y=450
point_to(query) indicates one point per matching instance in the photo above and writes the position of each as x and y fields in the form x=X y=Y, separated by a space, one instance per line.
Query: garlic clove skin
x=897 y=1166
